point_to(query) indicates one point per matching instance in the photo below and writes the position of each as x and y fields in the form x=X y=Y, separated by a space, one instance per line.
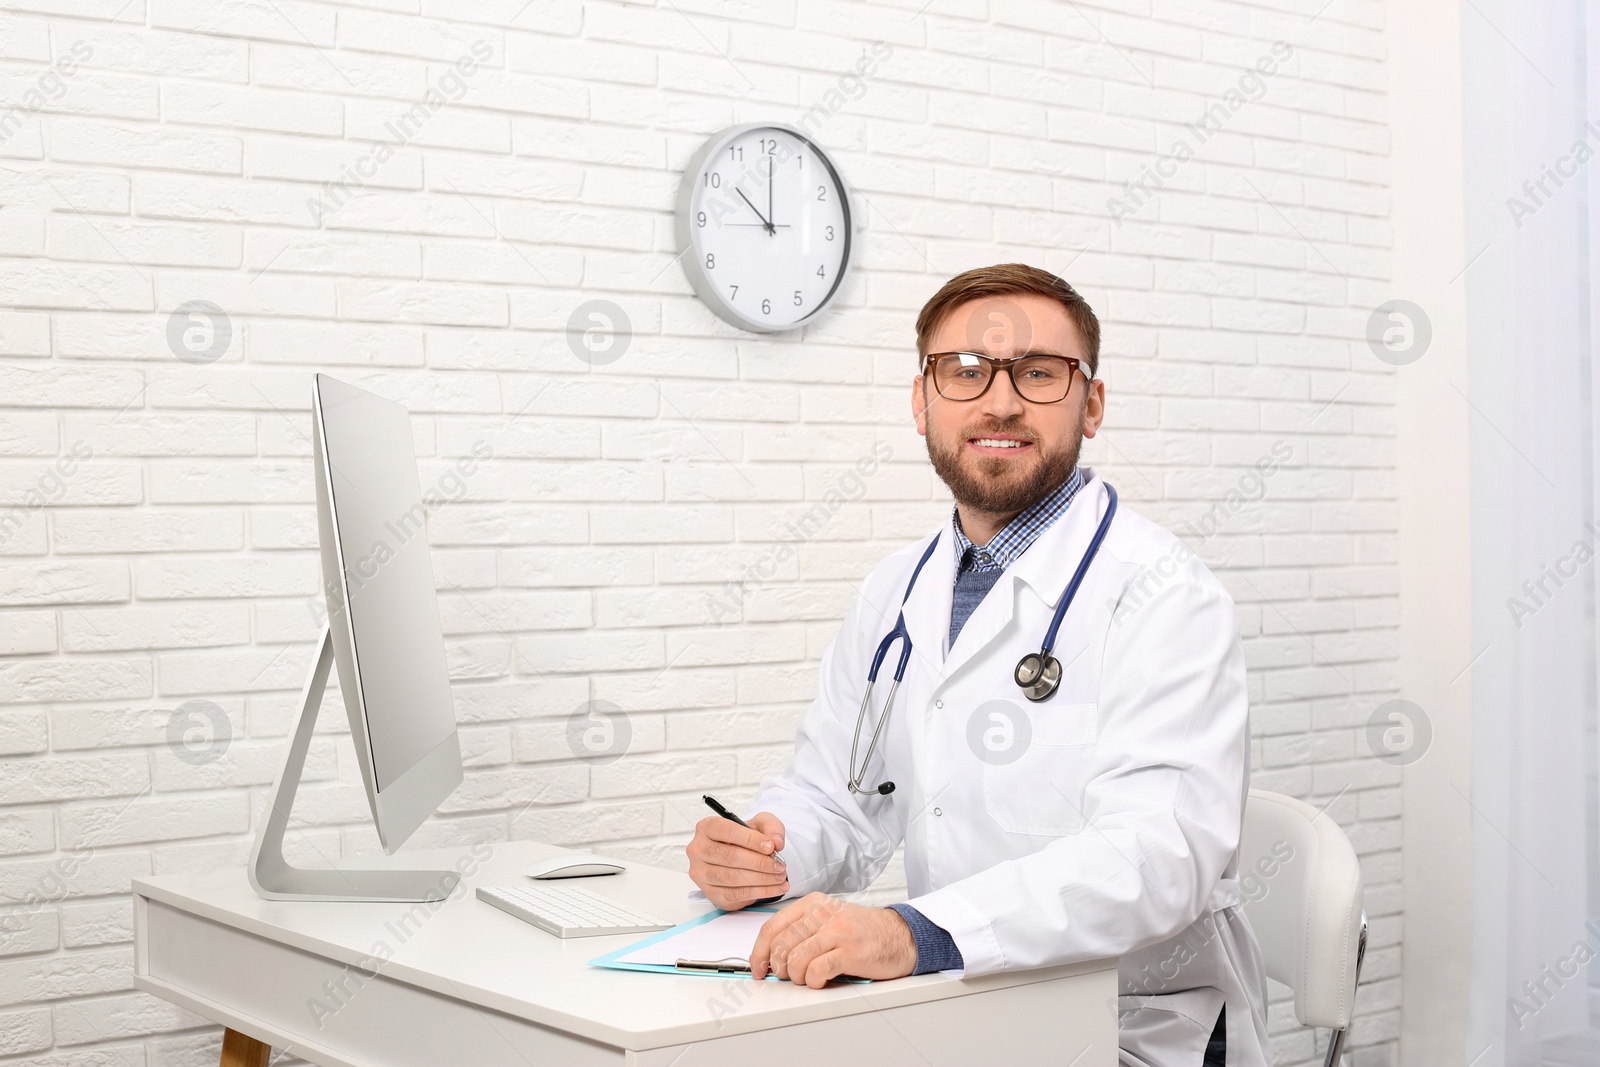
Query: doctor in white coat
x=1102 y=821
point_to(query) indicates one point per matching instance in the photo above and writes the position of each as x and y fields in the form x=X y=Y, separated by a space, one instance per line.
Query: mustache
x=1012 y=429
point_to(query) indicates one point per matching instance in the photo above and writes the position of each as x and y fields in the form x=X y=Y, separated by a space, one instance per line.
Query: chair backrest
x=1302 y=891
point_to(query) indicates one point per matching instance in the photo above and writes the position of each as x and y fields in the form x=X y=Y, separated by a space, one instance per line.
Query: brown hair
x=1003 y=279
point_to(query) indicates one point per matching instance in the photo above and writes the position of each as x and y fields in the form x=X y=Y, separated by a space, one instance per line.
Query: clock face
x=766 y=223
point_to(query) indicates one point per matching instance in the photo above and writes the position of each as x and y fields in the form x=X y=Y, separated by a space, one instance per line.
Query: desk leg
x=241 y=1051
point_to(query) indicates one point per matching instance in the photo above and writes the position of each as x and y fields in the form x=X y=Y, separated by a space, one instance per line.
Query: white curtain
x=1531 y=82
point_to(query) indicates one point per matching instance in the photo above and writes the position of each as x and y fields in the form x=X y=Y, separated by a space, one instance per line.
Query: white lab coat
x=1113 y=833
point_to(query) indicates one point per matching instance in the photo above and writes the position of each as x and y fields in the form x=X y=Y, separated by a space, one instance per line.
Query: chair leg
x=1335 y=1048
x=238 y=1050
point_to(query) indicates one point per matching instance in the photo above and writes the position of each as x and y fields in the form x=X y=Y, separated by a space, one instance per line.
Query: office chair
x=1302 y=889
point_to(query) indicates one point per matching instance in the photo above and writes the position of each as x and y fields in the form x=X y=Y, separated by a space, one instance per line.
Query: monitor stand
x=273 y=877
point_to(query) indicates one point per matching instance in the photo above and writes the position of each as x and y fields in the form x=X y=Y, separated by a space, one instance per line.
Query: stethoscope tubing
x=903 y=635
x=1083 y=569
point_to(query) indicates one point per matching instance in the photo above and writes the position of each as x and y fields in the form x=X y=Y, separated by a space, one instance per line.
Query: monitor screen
x=401 y=687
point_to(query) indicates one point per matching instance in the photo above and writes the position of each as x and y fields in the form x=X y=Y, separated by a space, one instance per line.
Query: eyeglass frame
x=1080 y=365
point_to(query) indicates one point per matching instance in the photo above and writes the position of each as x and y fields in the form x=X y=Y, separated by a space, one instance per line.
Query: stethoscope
x=1038 y=674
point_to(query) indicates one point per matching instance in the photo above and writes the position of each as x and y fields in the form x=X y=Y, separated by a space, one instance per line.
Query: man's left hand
x=819 y=937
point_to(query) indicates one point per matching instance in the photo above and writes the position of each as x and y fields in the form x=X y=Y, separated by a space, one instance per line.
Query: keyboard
x=570 y=911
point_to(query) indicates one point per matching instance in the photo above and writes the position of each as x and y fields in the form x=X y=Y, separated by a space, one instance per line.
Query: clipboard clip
x=726 y=965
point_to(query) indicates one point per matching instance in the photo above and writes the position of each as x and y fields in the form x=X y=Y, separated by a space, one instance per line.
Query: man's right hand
x=734 y=865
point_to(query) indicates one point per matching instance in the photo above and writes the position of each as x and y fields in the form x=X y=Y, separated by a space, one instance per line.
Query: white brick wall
x=625 y=542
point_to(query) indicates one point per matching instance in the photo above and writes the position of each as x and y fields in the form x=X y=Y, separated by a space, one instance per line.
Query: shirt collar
x=1019 y=533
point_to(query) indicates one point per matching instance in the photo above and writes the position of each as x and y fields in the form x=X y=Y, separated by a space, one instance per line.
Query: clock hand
x=764 y=222
x=770 y=213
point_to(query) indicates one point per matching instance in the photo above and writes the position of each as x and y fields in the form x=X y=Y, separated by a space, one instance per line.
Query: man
x=1101 y=820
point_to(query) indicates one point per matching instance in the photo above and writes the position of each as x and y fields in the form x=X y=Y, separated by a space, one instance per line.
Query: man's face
x=1001 y=453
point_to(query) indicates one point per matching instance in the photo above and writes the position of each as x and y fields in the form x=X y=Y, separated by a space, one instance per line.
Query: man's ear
x=1094 y=408
x=919 y=404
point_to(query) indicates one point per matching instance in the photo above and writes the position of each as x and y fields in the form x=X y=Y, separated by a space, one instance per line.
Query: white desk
x=470 y=985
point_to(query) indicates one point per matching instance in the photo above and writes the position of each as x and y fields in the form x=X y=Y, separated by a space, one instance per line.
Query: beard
x=1002 y=486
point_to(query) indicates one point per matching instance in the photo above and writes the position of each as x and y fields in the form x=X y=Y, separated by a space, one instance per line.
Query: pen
x=711 y=802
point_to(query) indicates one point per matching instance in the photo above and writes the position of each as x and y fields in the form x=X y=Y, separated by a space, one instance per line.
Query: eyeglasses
x=1041 y=379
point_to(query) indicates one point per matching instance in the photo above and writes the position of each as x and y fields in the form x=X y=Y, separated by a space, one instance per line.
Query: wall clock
x=764 y=227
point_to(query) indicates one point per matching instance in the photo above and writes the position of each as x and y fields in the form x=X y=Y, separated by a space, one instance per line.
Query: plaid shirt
x=1018 y=534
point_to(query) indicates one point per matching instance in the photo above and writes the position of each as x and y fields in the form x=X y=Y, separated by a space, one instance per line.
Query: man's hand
x=819 y=937
x=734 y=865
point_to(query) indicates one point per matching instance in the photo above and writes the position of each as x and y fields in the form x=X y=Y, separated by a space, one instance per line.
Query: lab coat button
x=938 y=811
x=938 y=703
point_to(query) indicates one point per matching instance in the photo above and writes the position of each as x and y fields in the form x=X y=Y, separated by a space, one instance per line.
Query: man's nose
x=1002 y=399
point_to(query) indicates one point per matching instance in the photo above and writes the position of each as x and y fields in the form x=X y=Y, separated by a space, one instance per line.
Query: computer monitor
x=384 y=633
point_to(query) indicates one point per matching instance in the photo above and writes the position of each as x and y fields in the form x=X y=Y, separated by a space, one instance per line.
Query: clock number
x=714 y=180
x=735 y=289
x=701 y=217
x=797 y=299
x=769 y=147
x=711 y=261
x=830 y=233
x=821 y=272
x=736 y=152
x=800 y=162
x=822 y=192
x=766 y=307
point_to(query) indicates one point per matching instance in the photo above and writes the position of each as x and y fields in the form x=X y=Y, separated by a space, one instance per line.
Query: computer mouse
x=574 y=865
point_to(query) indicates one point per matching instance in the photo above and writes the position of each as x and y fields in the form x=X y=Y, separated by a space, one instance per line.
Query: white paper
x=730 y=935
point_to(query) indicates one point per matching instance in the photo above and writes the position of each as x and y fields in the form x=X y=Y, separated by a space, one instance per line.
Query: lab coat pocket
x=1035 y=763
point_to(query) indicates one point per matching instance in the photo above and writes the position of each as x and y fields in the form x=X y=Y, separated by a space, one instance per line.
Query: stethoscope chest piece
x=1039 y=675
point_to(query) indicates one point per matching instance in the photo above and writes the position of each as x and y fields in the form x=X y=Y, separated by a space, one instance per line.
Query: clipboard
x=717 y=953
